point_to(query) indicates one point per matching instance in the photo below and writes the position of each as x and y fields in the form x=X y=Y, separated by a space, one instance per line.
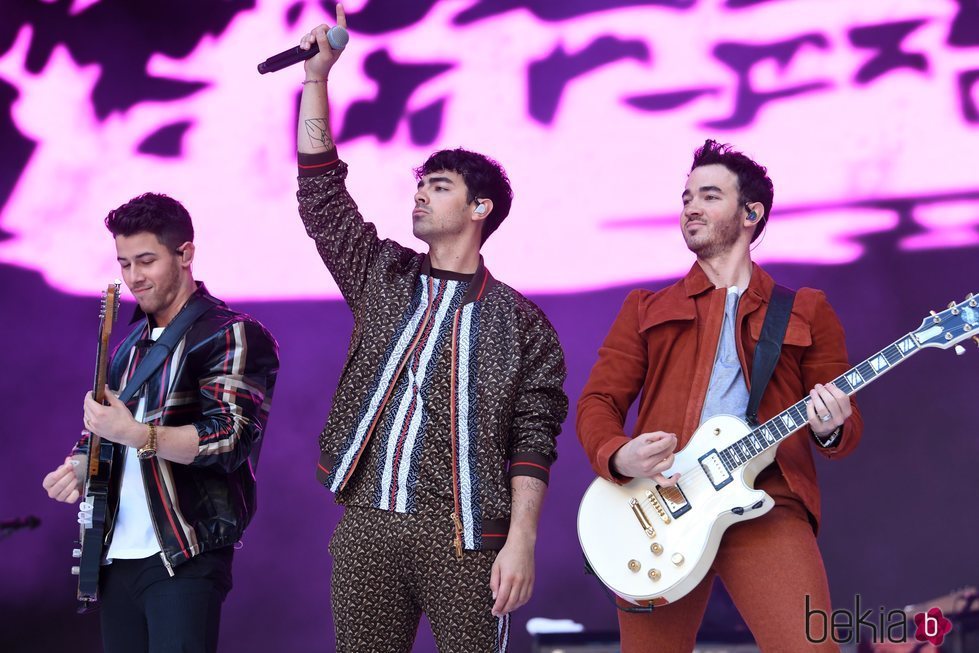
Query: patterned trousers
x=389 y=568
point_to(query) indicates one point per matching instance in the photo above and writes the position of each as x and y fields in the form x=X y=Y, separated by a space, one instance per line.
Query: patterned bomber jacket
x=220 y=378
x=508 y=369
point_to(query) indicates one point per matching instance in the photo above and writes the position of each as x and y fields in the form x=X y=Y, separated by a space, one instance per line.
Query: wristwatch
x=148 y=450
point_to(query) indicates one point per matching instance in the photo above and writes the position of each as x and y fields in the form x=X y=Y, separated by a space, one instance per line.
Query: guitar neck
x=101 y=372
x=793 y=418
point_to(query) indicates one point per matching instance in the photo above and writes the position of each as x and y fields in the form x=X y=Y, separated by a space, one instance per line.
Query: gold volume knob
x=656 y=548
x=634 y=565
x=654 y=574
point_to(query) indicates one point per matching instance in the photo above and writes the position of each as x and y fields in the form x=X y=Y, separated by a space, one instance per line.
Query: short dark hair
x=484 y=177
x=753 y=182
x=155 y=213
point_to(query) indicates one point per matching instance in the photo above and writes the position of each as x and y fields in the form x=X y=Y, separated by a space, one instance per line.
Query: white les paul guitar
x=652 y=545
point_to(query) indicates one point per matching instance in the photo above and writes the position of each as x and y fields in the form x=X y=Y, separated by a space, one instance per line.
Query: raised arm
x=348 y=245
x=314 y=135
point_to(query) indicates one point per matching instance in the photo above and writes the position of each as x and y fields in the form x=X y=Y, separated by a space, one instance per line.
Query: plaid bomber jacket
x=508 y=368
x=220 y=378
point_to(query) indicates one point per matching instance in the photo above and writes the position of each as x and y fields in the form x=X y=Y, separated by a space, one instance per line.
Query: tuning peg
x=959 y=350
x=976 y=338
x=951 y=304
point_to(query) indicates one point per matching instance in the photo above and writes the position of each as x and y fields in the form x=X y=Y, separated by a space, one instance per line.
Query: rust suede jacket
x=662 y=347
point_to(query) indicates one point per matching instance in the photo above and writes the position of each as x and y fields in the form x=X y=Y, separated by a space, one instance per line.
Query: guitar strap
x=769 y=347
x=196 y=306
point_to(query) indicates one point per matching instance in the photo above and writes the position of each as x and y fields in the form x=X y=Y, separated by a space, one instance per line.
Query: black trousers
x=145 y=610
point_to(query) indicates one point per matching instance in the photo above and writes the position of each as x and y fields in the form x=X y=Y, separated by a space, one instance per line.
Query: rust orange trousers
x=769 y=566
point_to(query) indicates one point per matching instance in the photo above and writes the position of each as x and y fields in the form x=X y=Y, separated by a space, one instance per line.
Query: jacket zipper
x=456 y=511
x=457 y=540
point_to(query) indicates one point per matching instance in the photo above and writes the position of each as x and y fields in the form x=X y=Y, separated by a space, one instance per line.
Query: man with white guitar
x=687 y=351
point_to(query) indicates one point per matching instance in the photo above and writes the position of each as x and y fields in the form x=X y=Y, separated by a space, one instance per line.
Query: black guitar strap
x=769 y=347
x=196 y=306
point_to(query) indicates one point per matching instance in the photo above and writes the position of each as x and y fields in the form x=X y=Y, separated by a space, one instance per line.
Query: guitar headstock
x=109 y=310
x=951 y=326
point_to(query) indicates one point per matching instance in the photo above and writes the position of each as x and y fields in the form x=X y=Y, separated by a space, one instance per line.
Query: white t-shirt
x=133 y=535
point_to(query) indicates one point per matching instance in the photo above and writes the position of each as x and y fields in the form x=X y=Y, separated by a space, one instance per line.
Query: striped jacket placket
x=455 y=417
x=391 y=385
x=400 y=463
x=460 y=516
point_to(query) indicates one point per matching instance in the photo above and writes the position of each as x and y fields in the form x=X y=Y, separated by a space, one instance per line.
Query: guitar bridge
x=647 y=526
x=658 y=507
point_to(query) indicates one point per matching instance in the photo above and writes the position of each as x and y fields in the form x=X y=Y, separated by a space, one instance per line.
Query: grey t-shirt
x=727 y=393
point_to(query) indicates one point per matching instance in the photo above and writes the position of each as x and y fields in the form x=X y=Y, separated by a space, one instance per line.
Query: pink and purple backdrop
x=867 y=115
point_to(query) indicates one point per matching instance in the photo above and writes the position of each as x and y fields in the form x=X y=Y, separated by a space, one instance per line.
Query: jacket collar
x=677 y=302
x=758 y=292
x=480 y=285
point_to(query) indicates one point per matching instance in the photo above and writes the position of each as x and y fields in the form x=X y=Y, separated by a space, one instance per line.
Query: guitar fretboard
x=794 y=417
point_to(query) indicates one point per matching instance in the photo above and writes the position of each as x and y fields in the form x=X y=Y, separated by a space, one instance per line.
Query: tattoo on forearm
x=526 y=493
x=319 y=135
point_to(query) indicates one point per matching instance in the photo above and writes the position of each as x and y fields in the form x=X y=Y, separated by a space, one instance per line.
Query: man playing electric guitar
x=687 y=351
x=182 y=483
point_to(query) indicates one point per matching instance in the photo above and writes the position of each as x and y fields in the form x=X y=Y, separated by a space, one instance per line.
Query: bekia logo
x=882 y=625
x=931 y=627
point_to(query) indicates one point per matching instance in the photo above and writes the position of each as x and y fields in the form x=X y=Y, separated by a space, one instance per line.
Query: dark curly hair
x=484 y=177
x=155 y=213
x=753 y=182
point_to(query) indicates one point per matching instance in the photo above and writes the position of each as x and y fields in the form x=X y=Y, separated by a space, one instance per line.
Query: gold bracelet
x=314 y=81
x=148 y=450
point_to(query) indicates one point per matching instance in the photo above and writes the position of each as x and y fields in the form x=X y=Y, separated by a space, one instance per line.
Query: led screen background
x=867 y=115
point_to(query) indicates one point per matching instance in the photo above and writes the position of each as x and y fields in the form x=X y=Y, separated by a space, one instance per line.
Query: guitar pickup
x=647 y=526
x=674 y=499
x=714 y=467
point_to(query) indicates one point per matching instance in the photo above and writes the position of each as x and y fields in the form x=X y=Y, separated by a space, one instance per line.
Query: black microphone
x=17 y=524
x=336 y=35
